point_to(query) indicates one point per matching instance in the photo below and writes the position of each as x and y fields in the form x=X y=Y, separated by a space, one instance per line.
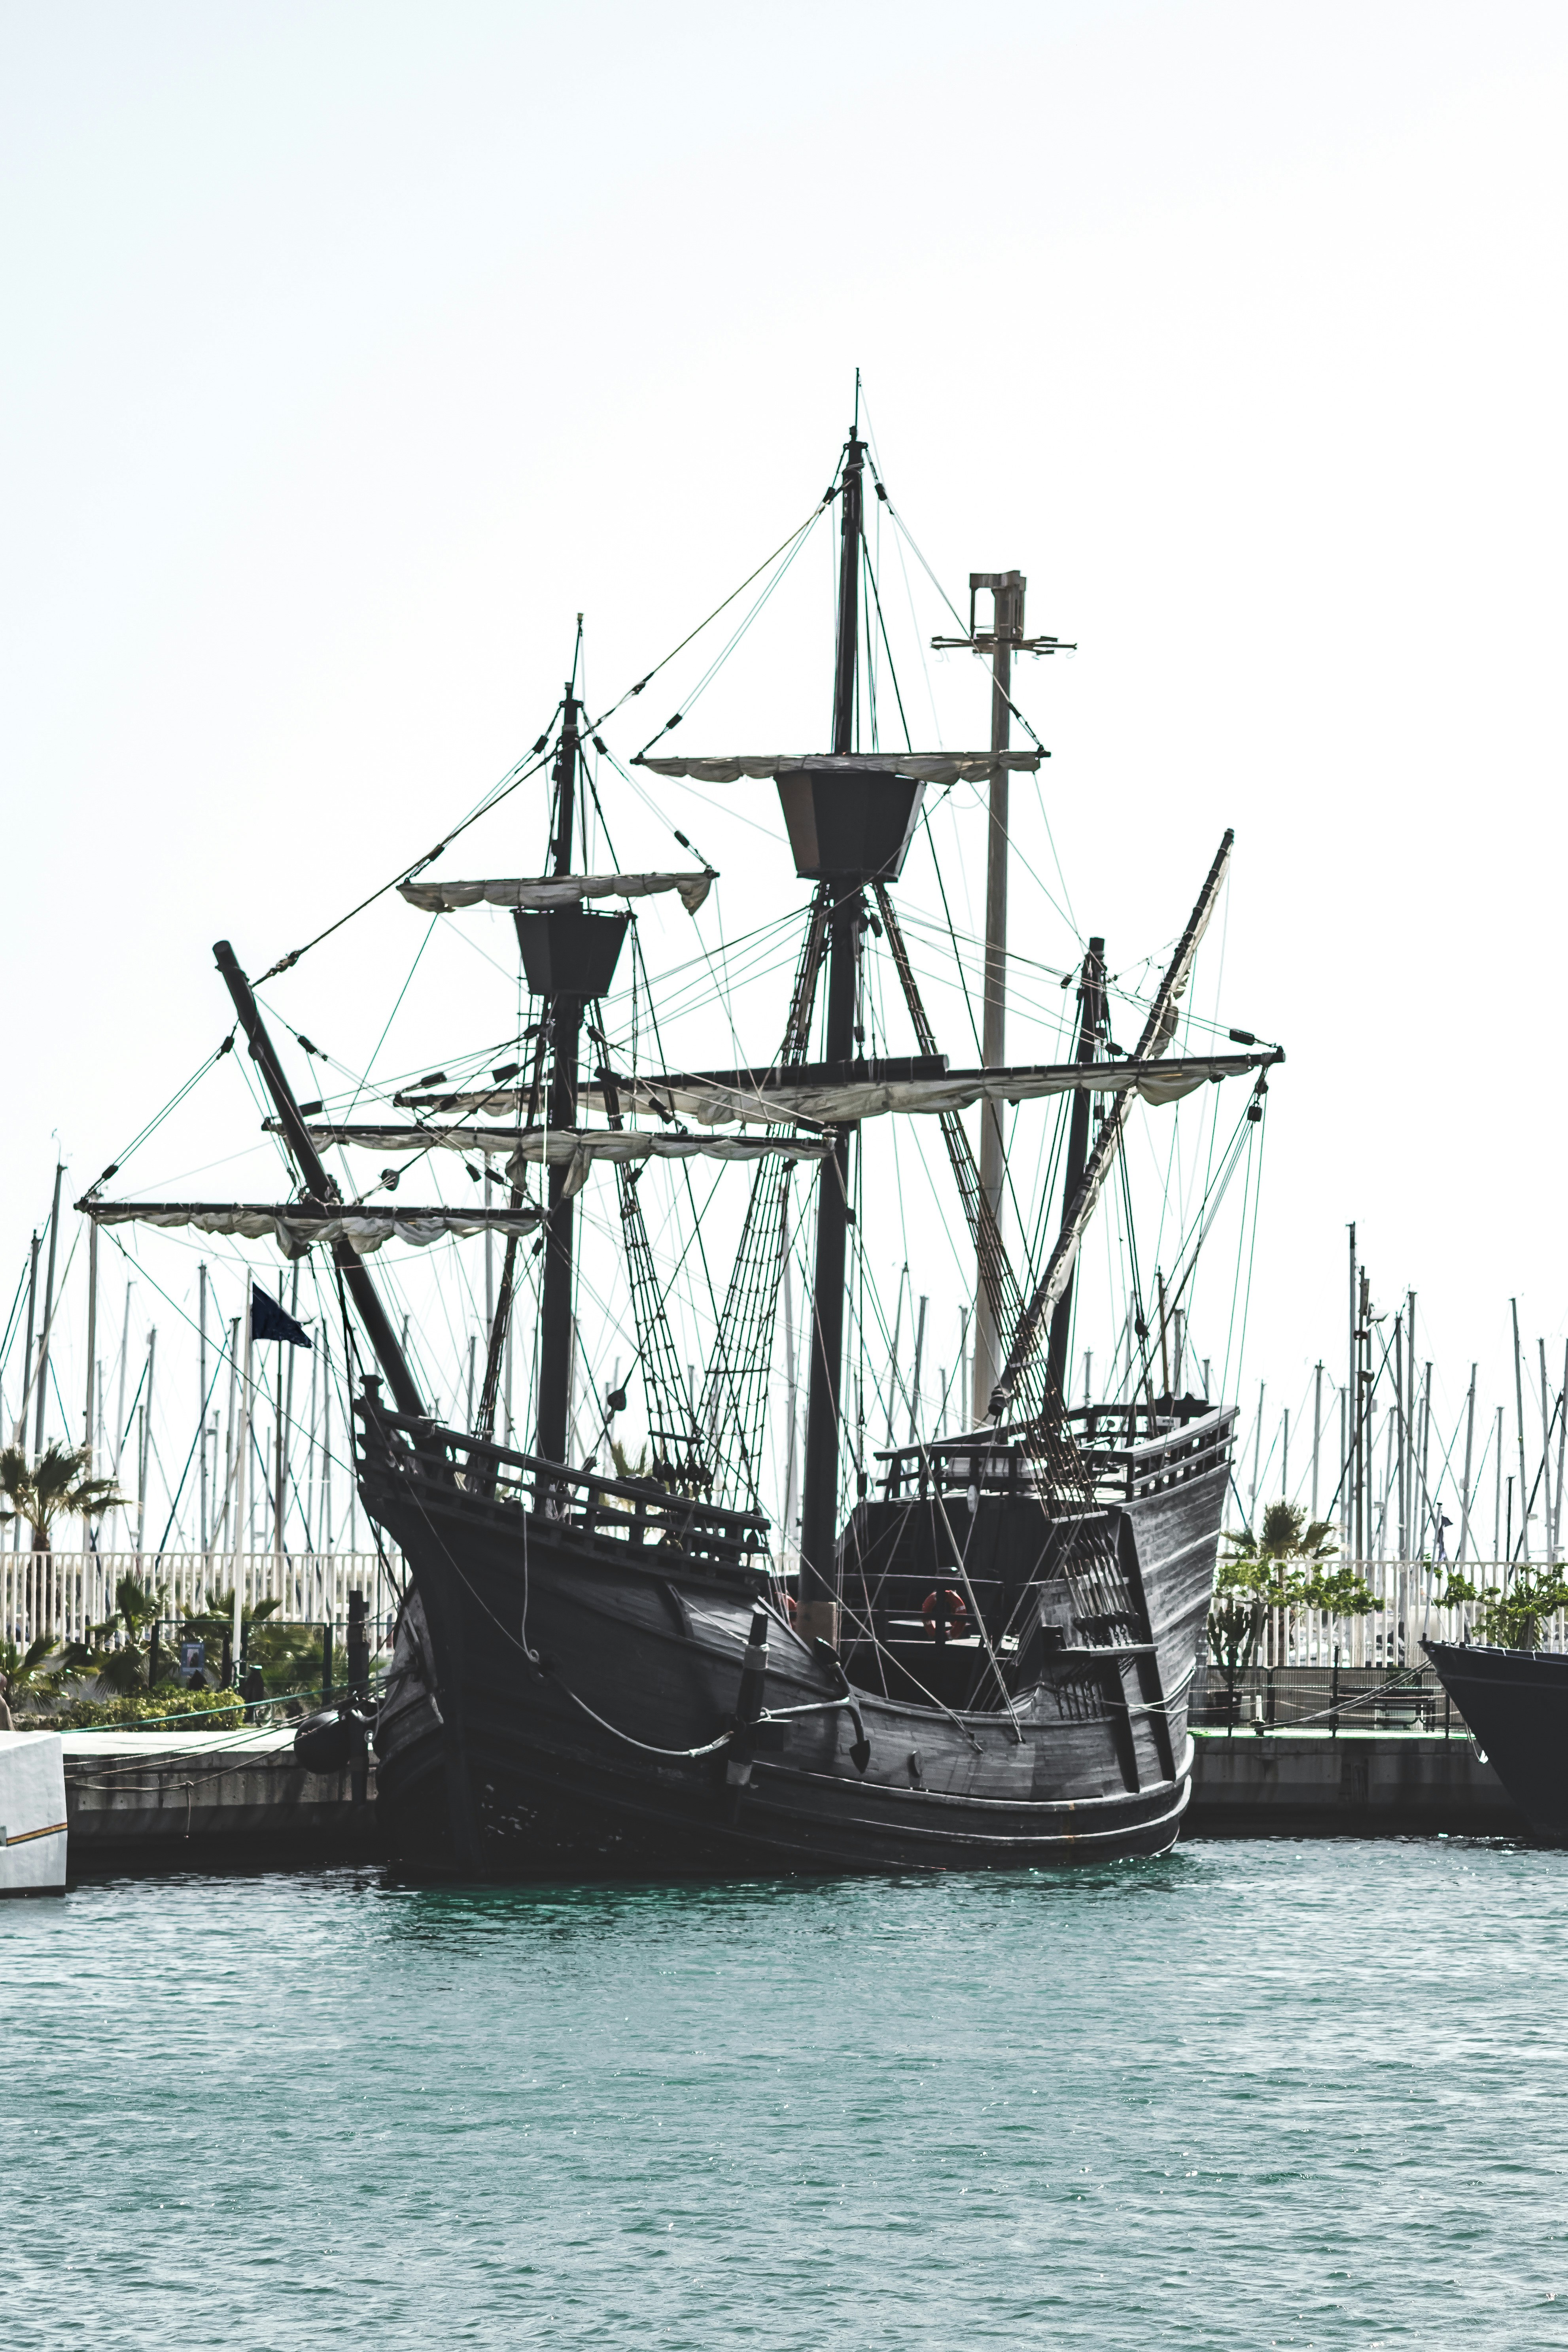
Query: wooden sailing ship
x=986 y=1652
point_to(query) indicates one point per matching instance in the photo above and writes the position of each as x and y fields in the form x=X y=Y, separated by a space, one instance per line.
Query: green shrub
x=167 y=1710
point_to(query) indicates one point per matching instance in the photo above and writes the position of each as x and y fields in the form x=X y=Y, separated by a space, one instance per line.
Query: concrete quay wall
x=144 y=1799
x=210 y=1796
x=1360 y=1784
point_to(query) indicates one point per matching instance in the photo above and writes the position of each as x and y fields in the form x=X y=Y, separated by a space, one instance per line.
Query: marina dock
x=135 y=1799
x=1311 y=1783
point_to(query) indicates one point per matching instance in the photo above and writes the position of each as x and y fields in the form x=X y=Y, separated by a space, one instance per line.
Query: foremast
x=819 y=1602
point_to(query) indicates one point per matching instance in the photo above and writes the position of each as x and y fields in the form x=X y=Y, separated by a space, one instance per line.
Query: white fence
x=1406 y=1615
x=60 y=1594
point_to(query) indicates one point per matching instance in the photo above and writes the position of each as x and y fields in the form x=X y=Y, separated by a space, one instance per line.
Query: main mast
x=819 y=1493
x=565 y=1017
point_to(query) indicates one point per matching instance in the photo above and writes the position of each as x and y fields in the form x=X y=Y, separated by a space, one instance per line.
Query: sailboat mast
x=565 y=1015
x=1090 y=1023
x=819 y=1493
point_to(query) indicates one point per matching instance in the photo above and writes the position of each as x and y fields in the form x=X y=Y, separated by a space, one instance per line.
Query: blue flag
x=271 y=1322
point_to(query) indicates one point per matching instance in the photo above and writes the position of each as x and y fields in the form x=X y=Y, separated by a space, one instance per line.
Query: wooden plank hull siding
x=1516 y=1703
x=491 y=1761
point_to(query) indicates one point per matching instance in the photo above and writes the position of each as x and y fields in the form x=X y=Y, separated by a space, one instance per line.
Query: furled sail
x=759 y=1096
x=556 y=890
x=297 y=1225
x=575 y=1149
x=920 y=767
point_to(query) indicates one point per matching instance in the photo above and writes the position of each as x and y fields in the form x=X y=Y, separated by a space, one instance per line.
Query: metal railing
x=59 y=1595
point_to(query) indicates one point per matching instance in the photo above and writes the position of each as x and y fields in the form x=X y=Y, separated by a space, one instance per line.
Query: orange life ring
x=957 y=1613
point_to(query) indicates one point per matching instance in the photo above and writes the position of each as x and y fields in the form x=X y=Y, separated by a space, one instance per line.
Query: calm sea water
x=1306 y=2095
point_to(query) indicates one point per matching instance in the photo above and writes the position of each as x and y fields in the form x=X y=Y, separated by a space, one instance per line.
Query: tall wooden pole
x=563 y=1015
x=818 y=1618
x=1091 y=1026
x=318 y=1185
x=1401 y=1431
x=1007 y=592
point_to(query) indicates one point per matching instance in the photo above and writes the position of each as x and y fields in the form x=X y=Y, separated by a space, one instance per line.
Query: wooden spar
x=320 y=1185
x=1090 y=1025
x=1400 y=1423
x=792 y=1389
x=819 y=1603
x=1157 y=1032
x=562 y=1018
x=1007 y=597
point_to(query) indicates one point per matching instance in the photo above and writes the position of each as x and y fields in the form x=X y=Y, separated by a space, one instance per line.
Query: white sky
x=353 y=349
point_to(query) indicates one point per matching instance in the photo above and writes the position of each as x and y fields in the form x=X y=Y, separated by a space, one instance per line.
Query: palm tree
x=58 y=1481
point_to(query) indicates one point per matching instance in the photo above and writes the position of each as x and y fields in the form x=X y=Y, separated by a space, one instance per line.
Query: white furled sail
x=533 y=891
x=297 y=1225
x=920 y=767
x=575 y=1148
x=761 y=1097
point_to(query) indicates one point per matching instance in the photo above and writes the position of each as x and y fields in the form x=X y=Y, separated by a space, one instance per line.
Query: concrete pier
x=136 y=1797
x=1308 y=1784
x=141 y=1800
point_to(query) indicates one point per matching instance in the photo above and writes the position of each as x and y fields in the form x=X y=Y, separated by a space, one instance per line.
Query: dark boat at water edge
x=985 y=1654
x=1516 y=1703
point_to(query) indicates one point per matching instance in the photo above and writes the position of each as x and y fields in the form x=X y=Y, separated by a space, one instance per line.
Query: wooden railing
x=638 y=1512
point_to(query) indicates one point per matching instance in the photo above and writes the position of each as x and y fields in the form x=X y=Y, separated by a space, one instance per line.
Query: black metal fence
x=1325 y=1699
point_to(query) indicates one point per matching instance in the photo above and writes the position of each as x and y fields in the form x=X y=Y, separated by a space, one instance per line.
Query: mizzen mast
x=1005 y=639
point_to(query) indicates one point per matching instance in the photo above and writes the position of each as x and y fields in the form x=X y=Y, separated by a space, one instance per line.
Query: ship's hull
x=1516 y=1703
x=546 y=1684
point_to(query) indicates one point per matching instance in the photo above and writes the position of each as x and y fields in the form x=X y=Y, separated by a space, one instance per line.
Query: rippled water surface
x=1252 y=2094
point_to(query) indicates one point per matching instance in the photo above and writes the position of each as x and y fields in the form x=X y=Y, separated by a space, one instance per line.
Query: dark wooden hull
x=544 y=1672
x=1516 y=1703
